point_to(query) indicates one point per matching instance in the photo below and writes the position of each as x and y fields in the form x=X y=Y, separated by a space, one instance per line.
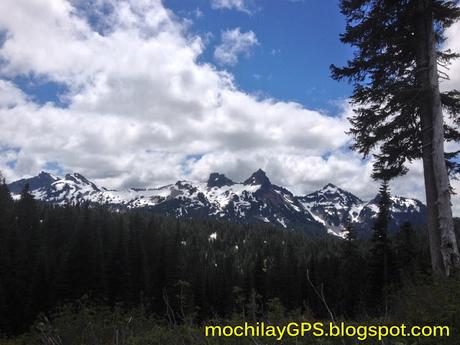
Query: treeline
x=51 y=255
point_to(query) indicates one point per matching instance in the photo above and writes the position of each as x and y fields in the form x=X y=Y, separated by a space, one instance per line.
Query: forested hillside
x=177 y=270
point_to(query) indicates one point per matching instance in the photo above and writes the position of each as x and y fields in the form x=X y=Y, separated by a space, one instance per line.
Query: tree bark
x=443 y=244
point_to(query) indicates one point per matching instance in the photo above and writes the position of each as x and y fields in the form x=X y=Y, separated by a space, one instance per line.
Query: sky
x=135 y=93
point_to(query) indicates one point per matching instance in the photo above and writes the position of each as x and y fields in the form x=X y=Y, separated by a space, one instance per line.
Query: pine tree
x=352 y=268
x=6 y=213
x=379 y=254
x=405 y=250
x=116 y=270
x=350 y=233
x=6 y=222
x=27 y=212
x=398 y=106
x=81 y=273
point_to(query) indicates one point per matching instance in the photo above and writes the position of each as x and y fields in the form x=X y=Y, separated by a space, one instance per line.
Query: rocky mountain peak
x=46 y=175
x=330 y=187
x=42 y=180
x=218 y=180
x=331 y=192
x=80 y=180
x=258 y=178
x=257 y=200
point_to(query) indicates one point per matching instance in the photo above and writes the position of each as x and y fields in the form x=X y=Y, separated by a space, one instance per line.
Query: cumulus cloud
x=239 y=5
x=139 y=103
x=143 y=111
x=10 y=95
x=452 y=43
x=234 y=43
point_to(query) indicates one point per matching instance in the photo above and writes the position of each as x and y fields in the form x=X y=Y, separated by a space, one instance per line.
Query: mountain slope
x=331 y=206
x=334 y=207
x=254 y=200
x=401 y=210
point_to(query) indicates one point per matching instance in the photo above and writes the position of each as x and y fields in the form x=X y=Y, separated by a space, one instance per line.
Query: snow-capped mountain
x=334 y=207
x=401 y=210
x=331 y=206
x=254 y=200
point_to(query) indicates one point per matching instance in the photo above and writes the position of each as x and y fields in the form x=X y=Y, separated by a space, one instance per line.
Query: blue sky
x=147 y=92
x=299 y=40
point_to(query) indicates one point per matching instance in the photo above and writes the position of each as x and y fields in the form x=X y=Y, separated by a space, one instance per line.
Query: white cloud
x=139 y=102
x=197 y=13
x=452 y=43
x=301 y=173
x=239 y=5
x=234 y=43
x=143 y=111
x=10 y=95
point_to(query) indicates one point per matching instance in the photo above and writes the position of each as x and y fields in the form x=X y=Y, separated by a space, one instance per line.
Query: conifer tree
x=405 y=250
x=350 y=233
x=6 y=209
x=6 y=222
x=27 y=212
x=398 y=105
x=117 y=271
x=352 y=266
x=379 y=255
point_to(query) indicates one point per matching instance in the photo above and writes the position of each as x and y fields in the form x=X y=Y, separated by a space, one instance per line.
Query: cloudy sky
x=146 y=92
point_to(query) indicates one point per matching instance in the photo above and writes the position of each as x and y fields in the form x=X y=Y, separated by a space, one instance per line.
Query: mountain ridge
x=326 y=210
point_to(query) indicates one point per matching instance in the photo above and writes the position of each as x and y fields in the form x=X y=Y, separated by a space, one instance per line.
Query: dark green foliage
x=6 y=226
x=380 y=260
x=353 y=264
x=182 y=271
x=84 y=323
x=430 y=303
x=405 y=251
x=383 y=71
x=87 y=324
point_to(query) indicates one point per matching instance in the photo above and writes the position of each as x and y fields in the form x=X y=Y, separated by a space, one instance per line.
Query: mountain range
x=256 y=200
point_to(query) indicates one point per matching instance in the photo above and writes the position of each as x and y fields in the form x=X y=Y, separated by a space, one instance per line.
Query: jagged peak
x=330 y=185
x=184 y=184
x=47 y=175
x=42 y=180
x=332 y=188
x=331 y=192
x=328 y=207
x=258 y=178
x=219 y=180
x=79 y=179
x=76 y=177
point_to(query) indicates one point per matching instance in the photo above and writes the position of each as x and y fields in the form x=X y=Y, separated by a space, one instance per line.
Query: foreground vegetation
x=83 y=275
x=85 y=323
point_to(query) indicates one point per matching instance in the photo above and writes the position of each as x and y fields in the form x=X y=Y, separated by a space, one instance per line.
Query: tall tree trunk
x=443 y=244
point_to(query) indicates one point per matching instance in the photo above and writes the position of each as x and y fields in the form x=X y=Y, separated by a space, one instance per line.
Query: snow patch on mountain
x=255 y=200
